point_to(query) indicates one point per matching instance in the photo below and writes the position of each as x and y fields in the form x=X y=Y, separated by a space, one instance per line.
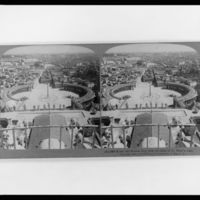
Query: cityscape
x=48 y=88
x=151 y=91
x=136 y=96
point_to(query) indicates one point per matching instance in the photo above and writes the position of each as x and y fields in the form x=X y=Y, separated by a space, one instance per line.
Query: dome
x=39 y=135
x=142 y=132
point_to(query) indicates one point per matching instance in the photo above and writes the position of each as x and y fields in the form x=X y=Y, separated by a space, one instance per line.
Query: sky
x=47 y=49
x=134 y=48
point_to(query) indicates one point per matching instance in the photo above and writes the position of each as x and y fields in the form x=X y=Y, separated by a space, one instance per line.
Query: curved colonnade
x=17 y=89
x=86 y=95
x=187 y=99
x=112 y=91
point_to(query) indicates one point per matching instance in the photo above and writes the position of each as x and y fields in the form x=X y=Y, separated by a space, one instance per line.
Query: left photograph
x=49 y=97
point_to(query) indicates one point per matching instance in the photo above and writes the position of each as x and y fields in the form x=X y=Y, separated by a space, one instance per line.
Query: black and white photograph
x=99 y=99
x=49 y=97
x=151 y=95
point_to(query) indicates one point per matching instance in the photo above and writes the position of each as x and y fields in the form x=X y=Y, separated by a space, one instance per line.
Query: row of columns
x=140 y=106
x=44 y=107
x=47 y=107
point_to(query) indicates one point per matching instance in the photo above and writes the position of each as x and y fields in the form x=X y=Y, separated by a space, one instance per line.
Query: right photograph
x=150 y=96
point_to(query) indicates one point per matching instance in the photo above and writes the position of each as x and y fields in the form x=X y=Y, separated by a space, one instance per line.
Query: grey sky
x=48 y=49
x=134 y=48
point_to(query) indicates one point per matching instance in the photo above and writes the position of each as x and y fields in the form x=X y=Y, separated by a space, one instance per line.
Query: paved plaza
x=144 y=94
x=42 y=95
